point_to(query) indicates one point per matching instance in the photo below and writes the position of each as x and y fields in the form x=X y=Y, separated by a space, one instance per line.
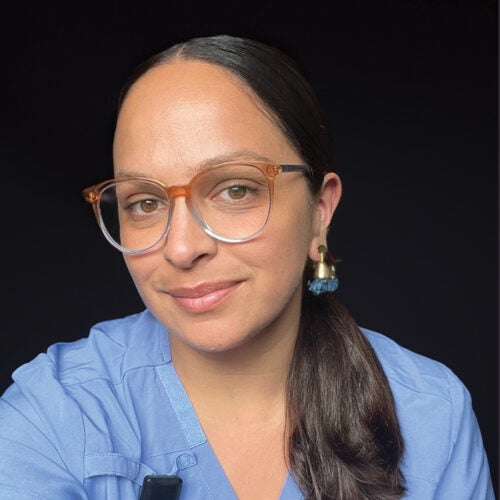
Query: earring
x=324 y=277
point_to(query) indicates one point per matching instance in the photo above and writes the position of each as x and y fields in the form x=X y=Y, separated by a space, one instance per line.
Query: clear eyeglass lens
x=231 y=203
x=134 y=214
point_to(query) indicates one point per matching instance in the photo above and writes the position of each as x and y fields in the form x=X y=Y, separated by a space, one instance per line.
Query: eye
x=147 y=206
x=237 y=192
x=144 y=206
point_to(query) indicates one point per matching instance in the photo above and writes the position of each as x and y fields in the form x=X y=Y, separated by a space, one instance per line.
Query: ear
x=326 y=202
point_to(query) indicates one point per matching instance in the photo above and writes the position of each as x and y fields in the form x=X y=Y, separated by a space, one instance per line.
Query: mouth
x=205 y=296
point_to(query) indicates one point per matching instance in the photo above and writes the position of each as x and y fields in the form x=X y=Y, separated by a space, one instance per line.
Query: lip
x=204 y=296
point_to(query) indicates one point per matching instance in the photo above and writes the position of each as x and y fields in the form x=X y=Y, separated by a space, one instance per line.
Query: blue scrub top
x=91 y=418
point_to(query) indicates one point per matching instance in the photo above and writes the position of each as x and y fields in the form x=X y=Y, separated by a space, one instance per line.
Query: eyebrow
x=242 y=154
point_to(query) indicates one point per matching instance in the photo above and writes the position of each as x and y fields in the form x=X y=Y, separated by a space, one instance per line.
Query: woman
x=244 y=377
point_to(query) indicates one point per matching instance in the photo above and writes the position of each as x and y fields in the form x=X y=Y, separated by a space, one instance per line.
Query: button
x=185 y=460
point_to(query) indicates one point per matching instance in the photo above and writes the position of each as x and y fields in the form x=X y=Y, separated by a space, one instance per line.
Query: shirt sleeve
x=41 y=438
x=466 y=475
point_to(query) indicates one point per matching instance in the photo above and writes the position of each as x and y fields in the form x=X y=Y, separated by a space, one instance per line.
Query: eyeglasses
x=231 y=202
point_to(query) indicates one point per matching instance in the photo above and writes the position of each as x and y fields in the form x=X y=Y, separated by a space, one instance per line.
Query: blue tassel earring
x=324 y=277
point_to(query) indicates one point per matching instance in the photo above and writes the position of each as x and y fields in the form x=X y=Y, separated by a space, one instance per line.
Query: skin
x=232 y=310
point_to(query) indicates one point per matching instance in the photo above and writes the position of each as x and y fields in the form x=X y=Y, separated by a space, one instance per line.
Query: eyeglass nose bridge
x=174 y=192
x=177 y=191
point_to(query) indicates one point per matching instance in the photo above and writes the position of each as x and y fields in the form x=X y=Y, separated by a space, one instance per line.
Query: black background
x=411 y=88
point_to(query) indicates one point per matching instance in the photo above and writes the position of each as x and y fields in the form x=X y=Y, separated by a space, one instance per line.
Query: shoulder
x=438 y=424
x=412 y=371
x=77 y=386
x=74 y=405
x=112 y=349
x=421 y=387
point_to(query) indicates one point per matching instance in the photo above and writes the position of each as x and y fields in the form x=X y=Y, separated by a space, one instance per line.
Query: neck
x=241 y=381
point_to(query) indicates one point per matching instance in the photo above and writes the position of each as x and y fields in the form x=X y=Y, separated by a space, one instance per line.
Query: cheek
x=285 y=246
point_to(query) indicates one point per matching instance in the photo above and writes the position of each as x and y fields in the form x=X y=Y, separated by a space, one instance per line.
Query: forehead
x=185 y=77
x=185 y=112
x=186 y=92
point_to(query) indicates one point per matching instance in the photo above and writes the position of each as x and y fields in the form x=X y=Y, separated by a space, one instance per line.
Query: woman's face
x=215 y=296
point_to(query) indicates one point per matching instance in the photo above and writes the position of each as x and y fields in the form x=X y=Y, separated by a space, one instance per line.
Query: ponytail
x=344 y=436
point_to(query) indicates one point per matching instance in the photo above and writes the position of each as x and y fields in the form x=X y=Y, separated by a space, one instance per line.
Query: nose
x=186 y=242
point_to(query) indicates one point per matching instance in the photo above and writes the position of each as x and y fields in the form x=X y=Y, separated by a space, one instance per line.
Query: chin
x=211 y=340
x=215 y=345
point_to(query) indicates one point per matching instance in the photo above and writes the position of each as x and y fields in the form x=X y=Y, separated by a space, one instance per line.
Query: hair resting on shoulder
x=344 y=437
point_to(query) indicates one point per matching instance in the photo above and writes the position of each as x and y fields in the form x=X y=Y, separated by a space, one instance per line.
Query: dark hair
x=344 y=435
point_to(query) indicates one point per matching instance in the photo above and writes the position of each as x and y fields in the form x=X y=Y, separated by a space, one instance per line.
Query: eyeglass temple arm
x=295 y=168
